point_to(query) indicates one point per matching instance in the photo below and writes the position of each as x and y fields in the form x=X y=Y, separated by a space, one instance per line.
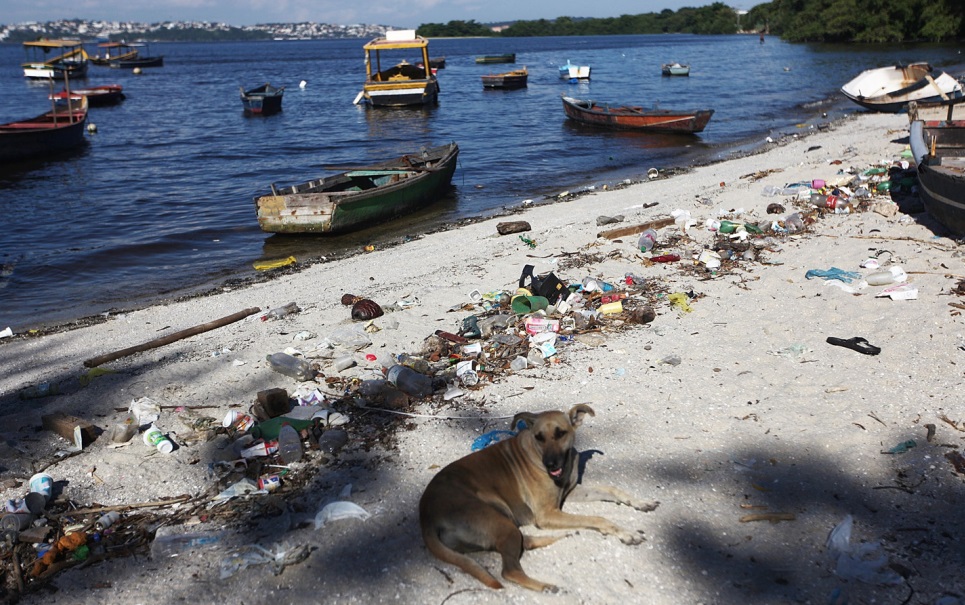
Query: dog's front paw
x=645 y=506
x=630 y=538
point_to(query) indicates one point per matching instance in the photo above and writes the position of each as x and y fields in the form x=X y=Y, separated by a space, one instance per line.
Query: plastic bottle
x=289 y=444
x=647 y=240
x=414 y=363
x=153 y=437
x=107 y=519
x=409 y=381
x=271 y=429
x=299 y=369
x=887 y=276
x=728 y=227
x=175 y=544
x=37 y=391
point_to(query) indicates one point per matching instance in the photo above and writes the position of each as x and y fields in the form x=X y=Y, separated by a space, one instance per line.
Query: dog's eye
x=559 y=433
x=539 y=437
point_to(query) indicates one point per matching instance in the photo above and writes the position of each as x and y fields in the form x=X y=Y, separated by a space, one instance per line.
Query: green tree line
x=862 y=21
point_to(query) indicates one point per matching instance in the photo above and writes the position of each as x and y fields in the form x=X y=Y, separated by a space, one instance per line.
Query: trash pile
x=497 y=333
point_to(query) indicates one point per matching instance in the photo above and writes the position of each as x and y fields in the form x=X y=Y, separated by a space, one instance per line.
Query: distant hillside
x=198 y=31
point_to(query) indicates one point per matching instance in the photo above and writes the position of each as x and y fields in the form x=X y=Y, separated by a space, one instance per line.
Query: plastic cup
x=16 y=521
x=238 y=421
x=153 y=437
x=42 y=483
x=611 y=308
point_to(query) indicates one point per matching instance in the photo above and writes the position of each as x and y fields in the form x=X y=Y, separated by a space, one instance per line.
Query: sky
x=399 y=13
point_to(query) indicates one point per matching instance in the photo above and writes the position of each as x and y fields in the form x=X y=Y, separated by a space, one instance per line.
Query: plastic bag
x=281 y=556
x=865 y=562
x=339 y=510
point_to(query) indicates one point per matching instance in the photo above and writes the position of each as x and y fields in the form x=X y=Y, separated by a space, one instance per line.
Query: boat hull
x=45 y=135
x=137 y=62
x=507 y=58
x=890 y=89
x=97 y=96
x=510 y=80
x=402 y=94
x=262 y=101
x=637 y=118
x=941 y=176
x=675 y=70
x=361 y=197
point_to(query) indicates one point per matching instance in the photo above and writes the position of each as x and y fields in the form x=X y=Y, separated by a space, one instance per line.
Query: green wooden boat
x=507 y=58
x=360 y=197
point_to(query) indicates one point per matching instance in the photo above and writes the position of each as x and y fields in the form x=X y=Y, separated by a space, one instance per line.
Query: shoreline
x=245 y=278
x=737 y=404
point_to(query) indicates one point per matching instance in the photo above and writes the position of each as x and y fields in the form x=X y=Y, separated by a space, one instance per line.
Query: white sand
x=734 y=429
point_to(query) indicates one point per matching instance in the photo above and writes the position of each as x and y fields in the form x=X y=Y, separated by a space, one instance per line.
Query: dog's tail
x=442 y=552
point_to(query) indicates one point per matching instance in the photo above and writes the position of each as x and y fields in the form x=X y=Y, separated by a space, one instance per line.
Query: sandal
x=855 y=344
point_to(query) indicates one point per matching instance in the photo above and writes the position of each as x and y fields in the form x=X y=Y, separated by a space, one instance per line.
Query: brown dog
x=479 y=502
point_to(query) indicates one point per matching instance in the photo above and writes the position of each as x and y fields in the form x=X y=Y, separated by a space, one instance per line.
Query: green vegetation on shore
x=862 y=21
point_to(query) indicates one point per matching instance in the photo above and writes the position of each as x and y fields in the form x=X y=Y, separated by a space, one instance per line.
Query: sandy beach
x=730 y=408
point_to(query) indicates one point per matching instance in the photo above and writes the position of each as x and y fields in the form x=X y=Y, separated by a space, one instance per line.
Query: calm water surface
x=161 y=198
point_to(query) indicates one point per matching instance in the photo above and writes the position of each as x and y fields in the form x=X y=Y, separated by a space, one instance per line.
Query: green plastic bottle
x=728 y=227
x=269 y=429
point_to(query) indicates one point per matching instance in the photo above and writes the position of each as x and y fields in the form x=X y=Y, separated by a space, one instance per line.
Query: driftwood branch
x=634 y=229
x=165 y=340
x=124 y=507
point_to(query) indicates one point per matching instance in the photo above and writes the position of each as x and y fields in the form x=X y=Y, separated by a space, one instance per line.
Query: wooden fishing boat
x=361 y=196
x=263 y=100
x=675 y=69
x=574 y=73
x=70 y=60
x=402 y=84
x=506 y=58
x=113 y=51
x=141 y=59
x=508 y=80
x=939 y=150
x=890 y=89
x=58 y=130
x=948 y=111
x=97 y=96
x=626 y=117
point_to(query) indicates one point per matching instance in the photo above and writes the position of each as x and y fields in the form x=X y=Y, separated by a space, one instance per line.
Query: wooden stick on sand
x=165 y=340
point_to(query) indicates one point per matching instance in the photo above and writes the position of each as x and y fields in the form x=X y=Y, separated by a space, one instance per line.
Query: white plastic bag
x=865 y=562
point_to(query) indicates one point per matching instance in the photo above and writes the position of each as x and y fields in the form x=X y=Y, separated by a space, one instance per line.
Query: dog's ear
x=577 y=412
x=526 y=418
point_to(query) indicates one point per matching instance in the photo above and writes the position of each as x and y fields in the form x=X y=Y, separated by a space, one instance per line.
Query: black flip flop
x=855 y=344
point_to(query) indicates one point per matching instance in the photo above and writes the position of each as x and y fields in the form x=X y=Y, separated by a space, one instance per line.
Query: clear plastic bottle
x=289 y=444
x=409 y=381
x=173 y=545
x=299 y=369
x=647 y=240
x=107 y=519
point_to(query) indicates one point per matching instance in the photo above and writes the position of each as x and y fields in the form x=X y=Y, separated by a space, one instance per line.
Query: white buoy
x=137 y=71
x=302 y=84
x=91 y=128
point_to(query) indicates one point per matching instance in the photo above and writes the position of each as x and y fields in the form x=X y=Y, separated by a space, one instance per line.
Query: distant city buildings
x=97 y=30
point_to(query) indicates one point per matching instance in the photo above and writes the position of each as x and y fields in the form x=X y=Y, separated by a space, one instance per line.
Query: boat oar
x=358 y=97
